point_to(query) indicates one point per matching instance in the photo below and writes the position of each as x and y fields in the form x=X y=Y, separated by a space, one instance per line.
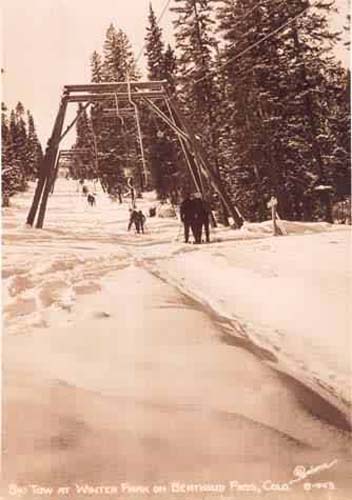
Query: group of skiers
x=195 y=215
x=137 y=218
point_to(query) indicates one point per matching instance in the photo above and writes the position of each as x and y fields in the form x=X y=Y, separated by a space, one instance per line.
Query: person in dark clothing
x=197 y=223
x=187 y=215
x=206 y=220
x=200 y=219
x=142 y=220
x=91 y=199
x=119 y=193
x=134 y=219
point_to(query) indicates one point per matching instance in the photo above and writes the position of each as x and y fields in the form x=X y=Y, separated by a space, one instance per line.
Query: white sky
x=47 y=43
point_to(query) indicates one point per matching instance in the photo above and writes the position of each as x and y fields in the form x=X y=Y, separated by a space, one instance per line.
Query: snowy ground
x=89 y=323
x=290 y=295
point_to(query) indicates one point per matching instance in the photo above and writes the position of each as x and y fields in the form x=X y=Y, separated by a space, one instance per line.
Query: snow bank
x=291 y=295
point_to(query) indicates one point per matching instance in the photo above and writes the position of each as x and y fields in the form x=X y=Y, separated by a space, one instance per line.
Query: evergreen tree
x=6 y=142
x=11 y=175
x=161 y=142
x=83 y=165
x=19 y=141
x=34 y=149
x=195 y=44
x=170 y=68
x=111 y=138
x=119 y=63
x=154 y=48
x=96 y=67
x=21 y=151
x=198 y=90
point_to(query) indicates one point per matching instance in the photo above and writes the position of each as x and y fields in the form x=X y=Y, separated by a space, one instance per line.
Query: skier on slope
x=142 y=220
x=202 y=218
x=134 y=219
x=91 y=199
x=187 y=216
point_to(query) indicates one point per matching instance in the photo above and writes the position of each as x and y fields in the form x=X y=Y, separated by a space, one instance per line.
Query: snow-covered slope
x=290 y=295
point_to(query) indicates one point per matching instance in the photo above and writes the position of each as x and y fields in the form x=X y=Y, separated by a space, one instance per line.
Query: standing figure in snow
x=187 y=216
x=198 y=216
x=119 y=193
x=142 y=220
x=205 y=217
x=134 y=219
x=91 y=199
x=201 y=218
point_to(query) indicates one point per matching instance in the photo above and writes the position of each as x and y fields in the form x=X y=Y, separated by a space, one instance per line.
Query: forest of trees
x=275 y=114
x=260 y=84
x=21 y=151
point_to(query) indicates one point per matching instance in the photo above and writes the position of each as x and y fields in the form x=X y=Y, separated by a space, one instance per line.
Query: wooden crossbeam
x=113 y=114
x=113 y=86
x=121 y=110
x=110 y=96
x=76 y=150
x=72 y=154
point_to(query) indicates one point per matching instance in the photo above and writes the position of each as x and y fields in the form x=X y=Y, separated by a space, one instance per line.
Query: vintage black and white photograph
x=176 y=250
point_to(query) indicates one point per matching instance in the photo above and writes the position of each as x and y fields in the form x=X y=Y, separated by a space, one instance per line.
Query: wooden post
x=273 y=205
x=44 y=166
x=51 y=159
x=38 y=190
x=56 y=171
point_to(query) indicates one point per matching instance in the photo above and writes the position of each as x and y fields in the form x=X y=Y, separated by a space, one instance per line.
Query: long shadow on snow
x=231 y=333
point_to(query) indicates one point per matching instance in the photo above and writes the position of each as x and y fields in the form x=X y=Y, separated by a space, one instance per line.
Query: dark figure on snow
x=187 y=216
x=201 y=216
x=91 y=199
x=142 y=220
x=85 y=190
x=134 y=219
x=119 y=193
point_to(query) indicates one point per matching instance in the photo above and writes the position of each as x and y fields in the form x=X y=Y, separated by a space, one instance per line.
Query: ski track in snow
x=45 y=271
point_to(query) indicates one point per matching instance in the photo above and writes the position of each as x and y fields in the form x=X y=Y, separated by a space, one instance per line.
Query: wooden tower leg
x=55 y=174
x=38 y=192
x=51 y=162
x=46 y=170
x=48 y=160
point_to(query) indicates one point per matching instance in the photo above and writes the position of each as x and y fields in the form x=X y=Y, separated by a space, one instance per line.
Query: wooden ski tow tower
x=150 y=94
